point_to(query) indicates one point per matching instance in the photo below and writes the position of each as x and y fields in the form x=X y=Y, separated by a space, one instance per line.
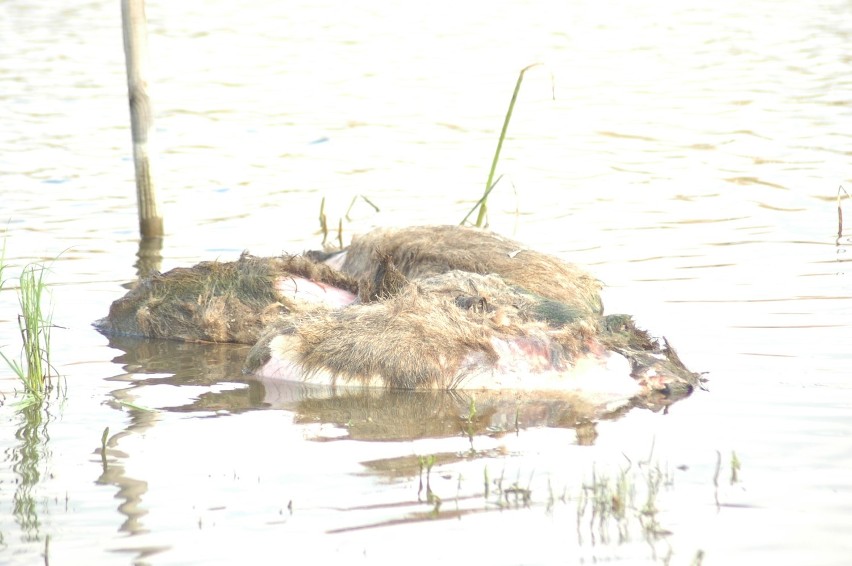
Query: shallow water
x=690 y=159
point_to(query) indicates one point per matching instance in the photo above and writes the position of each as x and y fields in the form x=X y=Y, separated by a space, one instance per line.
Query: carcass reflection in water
x=366 y=414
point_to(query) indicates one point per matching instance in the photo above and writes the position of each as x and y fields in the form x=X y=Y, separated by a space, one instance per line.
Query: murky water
x=690 y=159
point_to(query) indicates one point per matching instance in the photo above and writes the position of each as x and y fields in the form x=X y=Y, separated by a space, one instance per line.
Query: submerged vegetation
x=634 y=504
x=28 y=458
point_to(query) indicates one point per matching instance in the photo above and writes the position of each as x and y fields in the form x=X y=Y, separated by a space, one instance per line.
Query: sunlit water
x=691 y=159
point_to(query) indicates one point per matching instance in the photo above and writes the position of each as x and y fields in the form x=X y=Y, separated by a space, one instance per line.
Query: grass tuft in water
x=35 y=322
x=621 y=500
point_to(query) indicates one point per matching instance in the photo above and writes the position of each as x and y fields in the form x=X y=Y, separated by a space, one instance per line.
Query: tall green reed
x=482 y=204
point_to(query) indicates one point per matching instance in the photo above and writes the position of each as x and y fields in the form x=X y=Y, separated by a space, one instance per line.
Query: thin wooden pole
x=149 y=257
x=141 y=118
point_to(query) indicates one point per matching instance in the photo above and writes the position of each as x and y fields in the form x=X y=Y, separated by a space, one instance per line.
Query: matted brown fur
x=421 y=251
x=648 y=355
x=431 y=331
x=214 y=301
x=433 y=300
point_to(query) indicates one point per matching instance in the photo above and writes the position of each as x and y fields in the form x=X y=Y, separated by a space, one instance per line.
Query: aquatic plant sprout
x=35 y=322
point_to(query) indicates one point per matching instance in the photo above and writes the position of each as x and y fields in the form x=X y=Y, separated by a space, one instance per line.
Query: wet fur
x=214 y=301
x=431 y=302
x=419 y=252
x=423 y=335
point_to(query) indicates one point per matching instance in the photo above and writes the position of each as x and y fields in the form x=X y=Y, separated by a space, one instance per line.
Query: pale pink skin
x=307 y=291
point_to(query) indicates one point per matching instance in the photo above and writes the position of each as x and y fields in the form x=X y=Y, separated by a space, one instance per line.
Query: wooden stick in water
x=141 y=117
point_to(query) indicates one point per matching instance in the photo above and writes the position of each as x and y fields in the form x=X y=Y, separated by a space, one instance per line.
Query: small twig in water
x=352 y=204
x=716 y=476
x=323 y=221
x=104 y=437
x=840 y=212
x=735 y=468
x=485 y=482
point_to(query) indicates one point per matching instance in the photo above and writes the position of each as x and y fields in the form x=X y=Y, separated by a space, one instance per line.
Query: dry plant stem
x=323 y=222
x=352 y=204
x=483 y=207
x=840 y=212
x=323 y=219
x=716 y=477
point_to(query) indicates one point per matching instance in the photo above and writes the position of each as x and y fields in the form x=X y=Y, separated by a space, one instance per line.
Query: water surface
x=690 y=159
